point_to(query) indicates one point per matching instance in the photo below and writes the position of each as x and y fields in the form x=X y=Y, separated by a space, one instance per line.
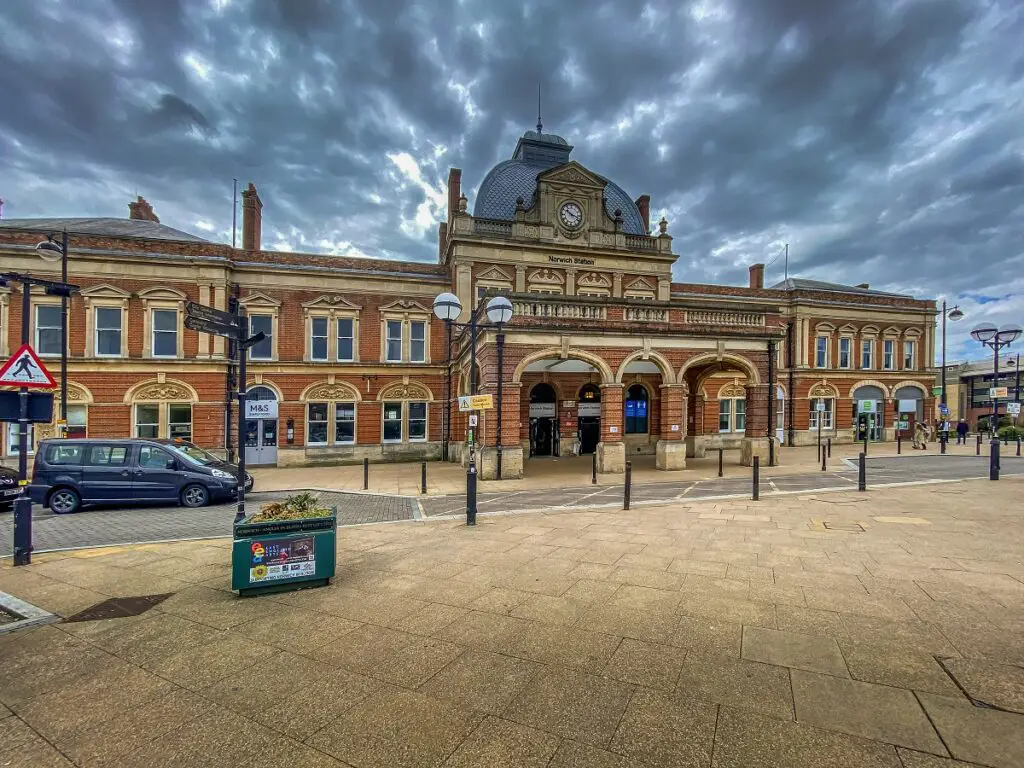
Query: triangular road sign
x=25 y=369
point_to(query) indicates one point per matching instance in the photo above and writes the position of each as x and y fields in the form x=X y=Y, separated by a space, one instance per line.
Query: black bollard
x=829 y=444
x=862 y=473
x=942 y=443
x=629 y=482
x=979 y=445
x=1018 y=445
x=993 y=461
x=899 y=443
x=823 y=461
x=865 y=445
x=23 y=530
x=721 y=463
x=757 y=478
x=366 y=474
x=593 y=468
x=423 y=477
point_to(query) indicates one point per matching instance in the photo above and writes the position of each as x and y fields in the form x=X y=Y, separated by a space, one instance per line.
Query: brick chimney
x=644 y=204
x=454 y=190
x=141 y=210
x=757 y=275
x=252 y=218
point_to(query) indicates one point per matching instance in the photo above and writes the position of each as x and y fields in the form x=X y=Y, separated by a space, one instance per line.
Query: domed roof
x=535 y=153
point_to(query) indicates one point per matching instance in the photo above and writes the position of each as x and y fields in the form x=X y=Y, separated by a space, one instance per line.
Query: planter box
x=282 y=555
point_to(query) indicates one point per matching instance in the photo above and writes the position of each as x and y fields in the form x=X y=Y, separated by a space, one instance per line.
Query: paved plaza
x=823 y=629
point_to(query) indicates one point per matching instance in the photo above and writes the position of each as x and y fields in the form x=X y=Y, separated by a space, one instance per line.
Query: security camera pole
x=448 y=307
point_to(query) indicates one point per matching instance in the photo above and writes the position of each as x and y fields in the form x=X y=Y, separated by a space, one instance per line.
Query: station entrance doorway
x=260 y=427
x=544 y=436
x=588 y=412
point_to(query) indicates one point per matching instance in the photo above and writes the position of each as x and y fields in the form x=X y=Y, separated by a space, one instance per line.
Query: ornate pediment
x=640 y=284
x=848 y=328
x=330 y=302
x=823 y=390
x=327 y=391
x=495 y=273
x=259 y=299
x=731 y=390
x=165 y=391
x=162 y=293
x=572 y=173
x=400 y=391
x=545 y=277
x=405 y=305
x=104 y=291
x=594 y=280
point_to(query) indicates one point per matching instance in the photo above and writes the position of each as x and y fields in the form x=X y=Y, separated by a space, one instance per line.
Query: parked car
x=9 y=489
x=72 y=473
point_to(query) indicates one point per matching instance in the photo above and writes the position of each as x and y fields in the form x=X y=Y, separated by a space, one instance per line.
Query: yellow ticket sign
x=475 y=402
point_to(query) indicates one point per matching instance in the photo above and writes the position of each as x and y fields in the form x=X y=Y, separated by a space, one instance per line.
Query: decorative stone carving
x=663 y=226
x=404 y=392
x=161 y=392
x=548 y=276
x=731 y=390
x=336 y=391
x=495 y=273
x=463 y=204
x=639 y=284
x=595 y=280
x=822 y=390
x=75 y=394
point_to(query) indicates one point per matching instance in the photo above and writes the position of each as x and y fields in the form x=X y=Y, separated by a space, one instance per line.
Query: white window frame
x=888 y=354
x=849 y=352
x=256 y=304
x=163 y=423
x=153 y=330
x=355 y=422
x=163 y=299
x=136 y=423
x=401 y=421
x=828 y=420
x=11 y=439
x=499 y=286
x=732 y=412
x=389 y=324
x=79 y=408
x=406 y=422
x=410 y=325
x=338 y=337
x=868 y=344
x=327 y=422
x=909 y=354
x=819 y=353
x=36 y=306
x=249 y=317
x=97 y=330
x=311 y=322
x=100 y=297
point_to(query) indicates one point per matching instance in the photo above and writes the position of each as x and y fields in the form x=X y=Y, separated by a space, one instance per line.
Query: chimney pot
x=644 y=204
x=252 y=218
x=454 y=190
x=757 y=276
x=140 y=210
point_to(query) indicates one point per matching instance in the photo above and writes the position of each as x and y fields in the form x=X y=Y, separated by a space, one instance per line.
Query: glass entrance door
x=261 y=442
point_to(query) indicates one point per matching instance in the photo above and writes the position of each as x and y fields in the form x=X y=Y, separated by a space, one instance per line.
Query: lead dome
x=516 y=178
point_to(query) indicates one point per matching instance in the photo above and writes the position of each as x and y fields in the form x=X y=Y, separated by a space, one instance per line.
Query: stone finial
x=463 y=203
x=520 y=204
x=663 y=226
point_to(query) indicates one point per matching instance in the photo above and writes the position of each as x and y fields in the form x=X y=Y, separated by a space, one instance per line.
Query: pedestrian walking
x=920 y=436
x=944 y=430
x=961 y=432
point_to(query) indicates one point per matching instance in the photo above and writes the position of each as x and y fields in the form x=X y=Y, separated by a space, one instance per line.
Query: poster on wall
x=589 y=409
x=276 y=559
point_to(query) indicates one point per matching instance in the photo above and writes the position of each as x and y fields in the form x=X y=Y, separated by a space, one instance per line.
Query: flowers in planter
x=295 y=507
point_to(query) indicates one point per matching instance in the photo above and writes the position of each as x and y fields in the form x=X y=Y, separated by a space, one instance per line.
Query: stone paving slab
x=695 y=634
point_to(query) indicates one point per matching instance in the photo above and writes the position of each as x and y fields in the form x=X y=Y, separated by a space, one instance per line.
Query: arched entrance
x=868 y=413
x=260 y=426
x=588 y=412
x=636 y=410
x=544 y=436
x=909 y=407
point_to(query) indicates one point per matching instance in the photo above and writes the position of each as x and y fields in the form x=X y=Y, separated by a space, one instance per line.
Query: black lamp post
x=448 y=307
x=954 y=314
x=50 y=250
x=995 y=338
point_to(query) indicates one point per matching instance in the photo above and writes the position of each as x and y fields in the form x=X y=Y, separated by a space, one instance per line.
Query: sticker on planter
x=274 y=559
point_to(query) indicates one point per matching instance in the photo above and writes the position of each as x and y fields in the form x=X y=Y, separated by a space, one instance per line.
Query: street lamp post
x=49 y=250
x=448 y=307
x=954 y=314
x=995 y=338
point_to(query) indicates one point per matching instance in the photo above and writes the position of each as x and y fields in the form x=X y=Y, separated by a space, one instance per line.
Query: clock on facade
x=571 y=215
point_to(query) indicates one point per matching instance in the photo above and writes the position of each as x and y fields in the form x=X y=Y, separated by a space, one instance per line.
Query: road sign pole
x=23 y=504
x=242 y=351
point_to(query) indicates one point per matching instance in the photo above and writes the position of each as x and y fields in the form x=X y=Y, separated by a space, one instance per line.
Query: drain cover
x=119 y=607
x=849 y=527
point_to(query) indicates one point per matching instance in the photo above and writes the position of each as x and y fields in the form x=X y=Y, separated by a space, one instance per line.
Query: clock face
x=571 y=215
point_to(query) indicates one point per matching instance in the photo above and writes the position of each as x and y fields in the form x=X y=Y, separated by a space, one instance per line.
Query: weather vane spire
x=540 y=125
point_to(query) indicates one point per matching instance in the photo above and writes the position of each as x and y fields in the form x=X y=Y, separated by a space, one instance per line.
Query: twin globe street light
x=448 y=307
x=995 y=338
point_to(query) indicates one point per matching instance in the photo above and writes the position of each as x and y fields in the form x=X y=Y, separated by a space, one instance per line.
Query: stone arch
x=869 y=383
x=908 y=383
x=709 y=358
x=269 y=385
x=607 y=377
x=153 y=390
x=667 y=374
x=412 y=390
x=78 y=394
x=325 y=390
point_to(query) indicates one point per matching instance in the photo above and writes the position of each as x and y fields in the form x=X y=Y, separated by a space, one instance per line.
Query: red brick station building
x=604 y=353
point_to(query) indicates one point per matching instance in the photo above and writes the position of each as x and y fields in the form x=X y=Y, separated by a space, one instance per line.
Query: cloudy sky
x=881 y=139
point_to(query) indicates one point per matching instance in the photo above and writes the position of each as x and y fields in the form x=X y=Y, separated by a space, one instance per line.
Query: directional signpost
x=217 y=322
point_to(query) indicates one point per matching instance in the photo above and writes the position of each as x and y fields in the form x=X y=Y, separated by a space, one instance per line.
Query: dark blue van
x=70 y=473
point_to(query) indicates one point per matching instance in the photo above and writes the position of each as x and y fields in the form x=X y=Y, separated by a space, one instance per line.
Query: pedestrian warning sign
x=25 y=369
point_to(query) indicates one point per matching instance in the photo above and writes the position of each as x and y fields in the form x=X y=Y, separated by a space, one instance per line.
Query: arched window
x=590 y=393
x=636 y=410
x=542 y=393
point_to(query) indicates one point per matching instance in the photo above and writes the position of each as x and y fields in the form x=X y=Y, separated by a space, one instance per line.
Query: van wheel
x=64 y=501
x=195 y=496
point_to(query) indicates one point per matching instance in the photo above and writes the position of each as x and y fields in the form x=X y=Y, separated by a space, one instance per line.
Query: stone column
x=756 y=441
x=611 y=450
x=671 y=449
x=695 y=439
